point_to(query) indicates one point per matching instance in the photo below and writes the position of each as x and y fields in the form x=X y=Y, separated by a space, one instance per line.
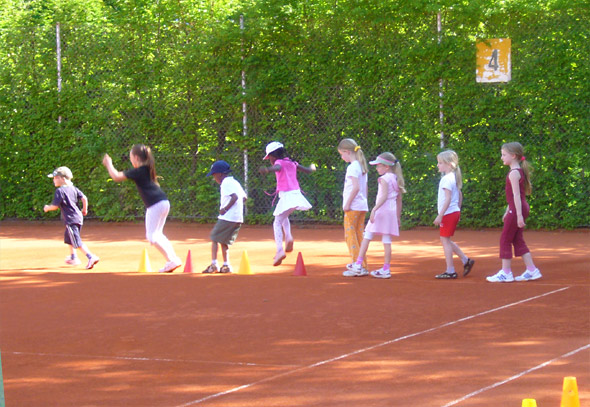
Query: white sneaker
x=73 y=262
x=501 y=277
x=529 y=275
x=381 y=273
x=355 y=270
x=171 y=266
x=92 y=261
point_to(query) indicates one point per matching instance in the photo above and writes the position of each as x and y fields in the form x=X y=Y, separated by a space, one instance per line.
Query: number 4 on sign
x=494 y=60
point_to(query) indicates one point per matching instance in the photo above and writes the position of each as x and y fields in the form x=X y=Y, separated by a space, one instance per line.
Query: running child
x=385 y=215
x=66 y=198
x=290 y=196
x=450 y=199
x=518 y=185
x=157 y=205
x=231 y=215
x=354 y=196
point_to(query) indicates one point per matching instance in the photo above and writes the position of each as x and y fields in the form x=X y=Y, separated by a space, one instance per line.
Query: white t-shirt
x=448 y=182
x=359 y=203
x=230 y=186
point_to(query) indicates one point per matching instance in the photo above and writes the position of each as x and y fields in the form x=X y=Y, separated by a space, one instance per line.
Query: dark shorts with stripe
x=225 y=232
x=72 y=235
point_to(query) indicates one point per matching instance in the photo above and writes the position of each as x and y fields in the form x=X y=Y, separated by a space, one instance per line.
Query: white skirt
x=291 y=200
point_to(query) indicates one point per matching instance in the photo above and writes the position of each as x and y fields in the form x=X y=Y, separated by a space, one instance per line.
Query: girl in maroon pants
x=518 y=185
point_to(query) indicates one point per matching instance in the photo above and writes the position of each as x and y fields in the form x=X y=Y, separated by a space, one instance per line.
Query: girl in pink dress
x=385 y=216
x=290 y=196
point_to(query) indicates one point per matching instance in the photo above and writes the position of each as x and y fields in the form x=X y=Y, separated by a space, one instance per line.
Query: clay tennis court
x=116 y=337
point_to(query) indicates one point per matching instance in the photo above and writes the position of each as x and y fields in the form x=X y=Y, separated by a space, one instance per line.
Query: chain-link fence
x=407 y=87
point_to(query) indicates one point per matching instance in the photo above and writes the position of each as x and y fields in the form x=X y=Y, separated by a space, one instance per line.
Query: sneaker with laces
x=467 y=266
x=170 y=266
x=529 y=275
x=381 y=273
x=92 y=261
x=226 y=268
x=355 y=270
x=73 y=262
x=211 y=268
x=501 y=277
x=446 y=276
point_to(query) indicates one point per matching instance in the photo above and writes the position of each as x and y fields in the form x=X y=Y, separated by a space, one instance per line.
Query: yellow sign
x=494 y=60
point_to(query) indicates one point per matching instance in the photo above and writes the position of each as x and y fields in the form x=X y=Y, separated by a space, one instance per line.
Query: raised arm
x=117 y=176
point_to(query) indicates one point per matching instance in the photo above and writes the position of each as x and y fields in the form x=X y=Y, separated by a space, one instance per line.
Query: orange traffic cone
x=188 y=264
x=299 y=266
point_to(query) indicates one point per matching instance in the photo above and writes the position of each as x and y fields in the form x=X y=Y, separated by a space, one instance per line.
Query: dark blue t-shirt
x=67 y=198
x=149 y=191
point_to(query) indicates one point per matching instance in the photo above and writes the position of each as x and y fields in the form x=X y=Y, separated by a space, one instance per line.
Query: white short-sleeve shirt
x=448 y=182
x=230 y=186
x=359 y=203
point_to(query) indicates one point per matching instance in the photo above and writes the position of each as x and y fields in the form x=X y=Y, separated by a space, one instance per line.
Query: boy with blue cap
x=231 y=215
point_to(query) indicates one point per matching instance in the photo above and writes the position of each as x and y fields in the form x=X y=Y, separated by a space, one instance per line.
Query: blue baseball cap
x=219 y=167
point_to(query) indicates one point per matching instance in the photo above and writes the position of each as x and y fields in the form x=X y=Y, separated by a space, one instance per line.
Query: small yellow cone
x=245 y=264
x=569 y=397
x=144 y=263
x=529 y=403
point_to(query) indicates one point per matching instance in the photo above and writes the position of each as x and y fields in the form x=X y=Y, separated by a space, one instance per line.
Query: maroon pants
x=512 y=235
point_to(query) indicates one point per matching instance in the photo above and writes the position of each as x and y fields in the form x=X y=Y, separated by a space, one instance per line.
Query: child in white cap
x=290 y=196
x=66 y=198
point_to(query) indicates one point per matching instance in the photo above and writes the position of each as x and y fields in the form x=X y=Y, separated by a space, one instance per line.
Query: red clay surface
x=115 y=337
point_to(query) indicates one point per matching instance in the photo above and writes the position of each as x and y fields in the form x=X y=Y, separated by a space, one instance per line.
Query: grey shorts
x=225 y=232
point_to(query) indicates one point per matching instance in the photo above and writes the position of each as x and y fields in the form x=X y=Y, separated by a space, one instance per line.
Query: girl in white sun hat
x=290 y=196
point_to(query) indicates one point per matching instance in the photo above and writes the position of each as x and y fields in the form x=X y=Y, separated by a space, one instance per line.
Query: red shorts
x=449 y=224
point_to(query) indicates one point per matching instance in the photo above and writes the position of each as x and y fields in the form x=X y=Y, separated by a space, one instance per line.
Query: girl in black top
x=157 y=205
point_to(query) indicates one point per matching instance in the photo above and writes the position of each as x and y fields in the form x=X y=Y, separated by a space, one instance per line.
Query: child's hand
x=520 y=221
x=263 y=170
x=84 y=212
x=107 y=160
x=46 y=208
x=372 y=217
x=437 y=220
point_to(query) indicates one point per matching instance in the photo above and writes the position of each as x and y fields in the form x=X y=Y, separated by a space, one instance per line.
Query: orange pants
x=354 y=225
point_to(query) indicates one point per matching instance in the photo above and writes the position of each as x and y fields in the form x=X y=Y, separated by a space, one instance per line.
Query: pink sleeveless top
x=287 y=176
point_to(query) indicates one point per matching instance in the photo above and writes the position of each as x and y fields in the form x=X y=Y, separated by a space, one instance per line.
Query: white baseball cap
x=272 y=146
x=64 y=172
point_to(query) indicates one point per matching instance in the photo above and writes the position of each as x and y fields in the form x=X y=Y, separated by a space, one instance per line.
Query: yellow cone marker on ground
x=529 y=403
x=569 y=397
x=144 y=263
x=245 y=264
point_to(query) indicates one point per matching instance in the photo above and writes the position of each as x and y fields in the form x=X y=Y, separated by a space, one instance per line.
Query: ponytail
x=145 y=156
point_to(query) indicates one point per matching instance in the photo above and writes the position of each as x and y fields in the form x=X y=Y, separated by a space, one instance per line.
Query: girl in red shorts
x=450 y=199
x=518 y=185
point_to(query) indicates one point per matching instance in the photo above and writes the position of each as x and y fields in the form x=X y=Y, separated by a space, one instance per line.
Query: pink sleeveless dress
x=386 y=216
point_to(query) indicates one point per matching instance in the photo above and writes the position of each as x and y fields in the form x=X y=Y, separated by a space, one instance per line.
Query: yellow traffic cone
x=144 y=263
x=245 y=264
x=529 y=403
x=569 y=397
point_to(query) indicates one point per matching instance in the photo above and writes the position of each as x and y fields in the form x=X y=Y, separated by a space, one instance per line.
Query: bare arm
x=84 y=206
x=266 y=170
x=356 y=187
x=398 y=202
x=117 y=176
x=381 y=197
x=307 y=170
x=444 y=208
x=48 y=208
x=514 y=177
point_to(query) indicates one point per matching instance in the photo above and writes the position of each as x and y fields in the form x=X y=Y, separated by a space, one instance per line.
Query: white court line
x=356 y=352
x=516 y=376
x=67 y=355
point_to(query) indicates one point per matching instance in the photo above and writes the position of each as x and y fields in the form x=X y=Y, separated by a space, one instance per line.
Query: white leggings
x=155 y=219
x=280 y=224
x=386 y=239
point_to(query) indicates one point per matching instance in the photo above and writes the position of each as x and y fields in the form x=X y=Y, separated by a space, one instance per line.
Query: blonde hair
x=349 y=144
x=452 y=159
x=396 y=168
x=518 y=150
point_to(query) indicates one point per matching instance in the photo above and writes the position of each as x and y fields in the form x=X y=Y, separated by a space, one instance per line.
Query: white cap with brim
x=381 y=160
x=64 y=172
x=272 y=146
